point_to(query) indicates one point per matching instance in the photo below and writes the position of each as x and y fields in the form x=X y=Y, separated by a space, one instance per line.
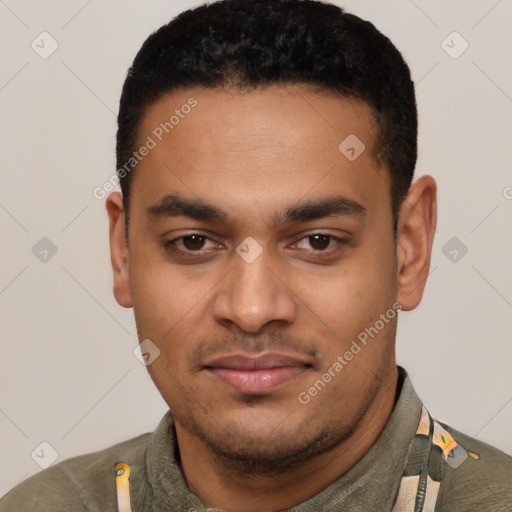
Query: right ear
x=119 y=249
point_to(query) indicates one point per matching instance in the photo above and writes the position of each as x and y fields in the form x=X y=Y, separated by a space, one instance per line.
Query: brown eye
x=191 y=247
x=321 y=245
x=319 y=242
x=194 y=242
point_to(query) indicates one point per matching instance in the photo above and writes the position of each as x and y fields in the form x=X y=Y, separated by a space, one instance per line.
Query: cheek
x=348 y=303
x=171 y=309
x=355 y=291
x=160 y=297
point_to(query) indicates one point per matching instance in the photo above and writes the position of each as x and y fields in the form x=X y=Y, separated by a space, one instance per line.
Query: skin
x=253 y=155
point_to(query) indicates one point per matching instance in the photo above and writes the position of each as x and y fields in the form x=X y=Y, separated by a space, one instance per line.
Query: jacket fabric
x=416 y=464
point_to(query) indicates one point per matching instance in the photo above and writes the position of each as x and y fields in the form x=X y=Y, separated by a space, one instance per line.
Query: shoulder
x=83 y=483
x=483 y=481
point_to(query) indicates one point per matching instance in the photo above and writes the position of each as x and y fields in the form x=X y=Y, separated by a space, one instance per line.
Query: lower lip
x=257 y=381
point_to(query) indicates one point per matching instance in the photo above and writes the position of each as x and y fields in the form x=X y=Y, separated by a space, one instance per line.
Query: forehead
x=247 y=117
x=274 y=144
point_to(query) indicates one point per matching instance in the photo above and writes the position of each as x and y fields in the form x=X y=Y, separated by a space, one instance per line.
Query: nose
x=253 y=295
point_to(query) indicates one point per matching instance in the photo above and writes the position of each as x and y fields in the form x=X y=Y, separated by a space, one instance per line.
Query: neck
x=220 y=486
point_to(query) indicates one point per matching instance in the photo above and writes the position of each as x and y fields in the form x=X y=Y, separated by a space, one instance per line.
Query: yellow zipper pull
x=122 y=474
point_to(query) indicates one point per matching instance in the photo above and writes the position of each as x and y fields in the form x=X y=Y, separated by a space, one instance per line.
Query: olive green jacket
x=470 y=477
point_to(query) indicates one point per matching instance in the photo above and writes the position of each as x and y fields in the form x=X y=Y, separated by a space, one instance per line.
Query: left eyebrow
x=318 y=209
x=173 y=205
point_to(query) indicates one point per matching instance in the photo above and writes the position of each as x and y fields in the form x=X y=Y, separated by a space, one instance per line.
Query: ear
x=119 y=249
x=415 y=236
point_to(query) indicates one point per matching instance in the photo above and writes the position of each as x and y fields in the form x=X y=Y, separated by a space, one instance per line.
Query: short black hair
x=250 y=44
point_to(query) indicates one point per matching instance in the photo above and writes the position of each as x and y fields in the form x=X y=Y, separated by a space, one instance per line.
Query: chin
x=255 y=442
x=271 y=454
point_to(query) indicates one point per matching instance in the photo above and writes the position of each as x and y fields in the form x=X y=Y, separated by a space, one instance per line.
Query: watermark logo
x=454 y=249
x=44 y=45
x=249 y=250
x=44 y=250
x=351 y=147
x=44 y=455
x=146 y=352
x=454 y=45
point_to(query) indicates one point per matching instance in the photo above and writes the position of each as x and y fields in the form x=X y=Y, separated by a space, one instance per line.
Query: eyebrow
x=173 y=205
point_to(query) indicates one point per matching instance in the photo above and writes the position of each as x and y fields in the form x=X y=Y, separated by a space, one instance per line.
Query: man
x=267 y=236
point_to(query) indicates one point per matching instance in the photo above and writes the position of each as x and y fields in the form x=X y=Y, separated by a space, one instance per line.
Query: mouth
x=256 y=375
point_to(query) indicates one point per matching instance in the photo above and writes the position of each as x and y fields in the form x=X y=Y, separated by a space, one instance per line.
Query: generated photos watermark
x=151 y=142
x=305 y=397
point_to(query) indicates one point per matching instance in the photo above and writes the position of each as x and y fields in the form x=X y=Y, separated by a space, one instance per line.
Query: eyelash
x=171 y=245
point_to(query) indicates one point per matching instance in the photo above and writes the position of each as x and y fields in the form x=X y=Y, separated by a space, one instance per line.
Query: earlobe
x=415 y=236
x=119 y=249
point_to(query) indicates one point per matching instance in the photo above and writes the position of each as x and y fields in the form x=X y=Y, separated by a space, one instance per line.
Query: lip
x=256 y=375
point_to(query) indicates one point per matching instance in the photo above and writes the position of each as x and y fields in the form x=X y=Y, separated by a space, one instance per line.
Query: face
x=259 y=252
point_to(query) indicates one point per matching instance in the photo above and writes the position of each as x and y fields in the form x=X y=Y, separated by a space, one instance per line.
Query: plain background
x=68 y=373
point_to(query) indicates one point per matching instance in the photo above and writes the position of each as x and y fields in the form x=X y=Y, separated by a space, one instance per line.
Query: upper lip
x=251 y=362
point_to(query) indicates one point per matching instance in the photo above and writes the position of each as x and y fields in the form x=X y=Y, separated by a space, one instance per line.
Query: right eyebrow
x=173 y=205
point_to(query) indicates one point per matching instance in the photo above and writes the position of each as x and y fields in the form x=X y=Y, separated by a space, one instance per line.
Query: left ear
x=415 y=236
